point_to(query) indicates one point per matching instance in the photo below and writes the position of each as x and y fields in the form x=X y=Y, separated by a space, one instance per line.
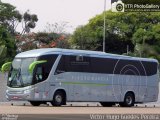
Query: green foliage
x=7 y=46
x=46 y=38
x=9 y=17
x=42 y=40
x=140 y=31
x=82 y=40
x=117 y=32
x=29 y=21
x=61 y=42
x=7 y=11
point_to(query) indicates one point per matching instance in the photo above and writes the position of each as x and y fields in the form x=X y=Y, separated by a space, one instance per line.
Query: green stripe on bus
x=88 y=84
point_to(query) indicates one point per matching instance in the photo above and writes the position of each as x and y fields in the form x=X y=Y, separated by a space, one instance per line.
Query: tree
x=147 y=42
x=133 y=30
x=52 y=40
x=9 y=17
x=61 y=42
x=84 y=38
x=28 y=22
x=41 y=40
x=7 y=46
x=26 y=42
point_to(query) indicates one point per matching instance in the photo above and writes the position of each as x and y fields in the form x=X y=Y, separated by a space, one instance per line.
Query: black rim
x=129 y=100
x=58 y=98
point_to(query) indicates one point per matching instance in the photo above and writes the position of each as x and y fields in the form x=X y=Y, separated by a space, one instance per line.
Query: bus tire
x=129 y=100
x=58 y=98
x=35 y=103
x=107 y=104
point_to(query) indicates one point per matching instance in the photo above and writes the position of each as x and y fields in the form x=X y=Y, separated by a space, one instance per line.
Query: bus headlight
x=7 y=97
x=7 y=91
x=26 y=91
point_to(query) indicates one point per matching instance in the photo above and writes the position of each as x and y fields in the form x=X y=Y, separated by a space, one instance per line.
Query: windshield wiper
x=16 y=77
x=20 y=77
x=12 y=78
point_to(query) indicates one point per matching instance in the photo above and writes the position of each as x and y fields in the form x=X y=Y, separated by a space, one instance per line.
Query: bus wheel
x=107 y=104
x=35 y=103
x=129 y=100
x=58 y=99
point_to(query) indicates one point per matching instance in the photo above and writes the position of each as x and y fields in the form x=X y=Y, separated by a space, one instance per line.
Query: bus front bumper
x=18 y=95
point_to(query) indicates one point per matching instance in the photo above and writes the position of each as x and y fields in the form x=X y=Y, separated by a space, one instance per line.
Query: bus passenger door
x=42 y=72
x=39 y=87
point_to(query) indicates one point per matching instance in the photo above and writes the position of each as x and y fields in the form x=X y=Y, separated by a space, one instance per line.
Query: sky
x=74 y=12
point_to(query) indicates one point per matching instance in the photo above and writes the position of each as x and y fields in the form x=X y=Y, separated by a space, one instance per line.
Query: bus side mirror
x=32 y=65
x=6 y=67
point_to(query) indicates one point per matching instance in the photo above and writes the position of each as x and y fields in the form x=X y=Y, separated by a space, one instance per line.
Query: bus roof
x=45 y=51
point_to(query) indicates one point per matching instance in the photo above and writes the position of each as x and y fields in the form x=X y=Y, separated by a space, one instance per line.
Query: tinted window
x=61 y=66
x=42 y=70
x=102 y=65
x=73 y=63
x=106 y=65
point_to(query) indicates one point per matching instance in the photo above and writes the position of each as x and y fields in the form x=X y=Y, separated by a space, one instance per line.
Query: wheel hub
x=129 y=100
x=58 y=98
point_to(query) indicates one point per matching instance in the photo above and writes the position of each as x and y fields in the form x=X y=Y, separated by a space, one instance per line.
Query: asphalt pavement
x=3 y=83
x=45 y=117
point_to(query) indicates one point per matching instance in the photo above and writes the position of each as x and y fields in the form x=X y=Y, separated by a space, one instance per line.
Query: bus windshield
x=19 y=75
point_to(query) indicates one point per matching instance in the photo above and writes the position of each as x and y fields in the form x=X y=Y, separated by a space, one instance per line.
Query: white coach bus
x=62 y=75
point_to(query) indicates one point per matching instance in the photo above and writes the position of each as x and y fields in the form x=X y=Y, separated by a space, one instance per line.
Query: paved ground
x=77 y=110
x=78 y=113
x=48 y=117
x=82 y=117
x=3 y=83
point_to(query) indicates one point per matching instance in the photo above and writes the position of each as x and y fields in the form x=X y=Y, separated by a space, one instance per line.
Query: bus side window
x=61 y=66
x=79 y=63
x=39 y=74
x=86 y=64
